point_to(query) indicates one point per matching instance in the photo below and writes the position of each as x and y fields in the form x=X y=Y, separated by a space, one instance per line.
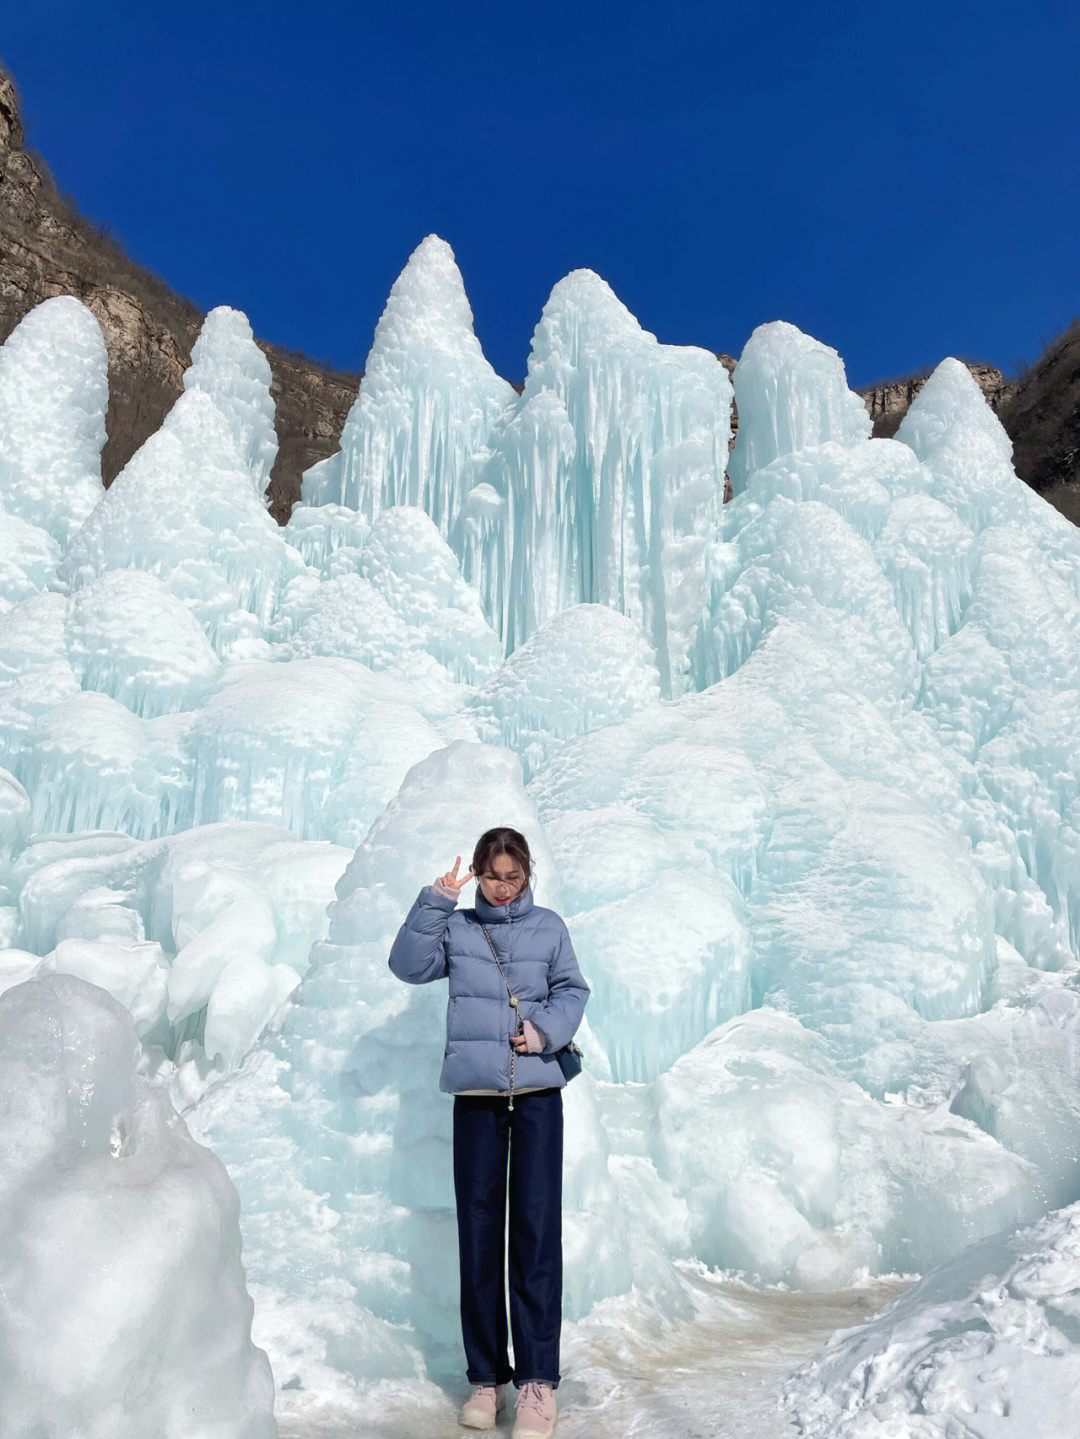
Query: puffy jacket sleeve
x=419 y=953
x=559 y=1016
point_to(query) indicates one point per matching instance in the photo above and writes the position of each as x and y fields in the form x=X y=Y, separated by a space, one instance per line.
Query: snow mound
x=986 y=1346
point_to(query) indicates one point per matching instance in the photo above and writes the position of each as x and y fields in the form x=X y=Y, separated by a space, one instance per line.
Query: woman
x=500 y=1064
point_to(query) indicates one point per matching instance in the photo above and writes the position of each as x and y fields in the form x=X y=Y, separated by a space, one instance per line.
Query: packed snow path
x=716 y=1376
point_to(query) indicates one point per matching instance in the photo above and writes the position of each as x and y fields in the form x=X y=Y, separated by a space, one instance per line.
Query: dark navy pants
x=486 y=1134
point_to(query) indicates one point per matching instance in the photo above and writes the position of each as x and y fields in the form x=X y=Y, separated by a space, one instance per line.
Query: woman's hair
x=502 y=840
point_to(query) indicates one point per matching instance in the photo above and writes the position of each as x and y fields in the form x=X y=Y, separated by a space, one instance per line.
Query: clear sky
x=900 y=180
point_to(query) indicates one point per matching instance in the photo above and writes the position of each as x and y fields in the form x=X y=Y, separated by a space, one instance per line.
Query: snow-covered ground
x=717 y=1375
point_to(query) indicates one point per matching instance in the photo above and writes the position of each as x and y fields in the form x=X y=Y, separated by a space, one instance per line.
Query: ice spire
x=184 y=508
x=53 y=393
x=603 y=481
x=227 y=365
x=963 y=444
x=790 y=391
x=427 y=400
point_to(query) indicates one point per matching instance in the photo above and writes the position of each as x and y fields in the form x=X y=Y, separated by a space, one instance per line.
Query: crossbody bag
x=569 y=1056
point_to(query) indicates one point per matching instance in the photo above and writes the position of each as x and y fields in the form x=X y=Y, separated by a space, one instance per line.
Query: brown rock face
x=47 y=248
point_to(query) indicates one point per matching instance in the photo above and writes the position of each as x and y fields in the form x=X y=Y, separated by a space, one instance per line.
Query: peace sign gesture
x=450 y=880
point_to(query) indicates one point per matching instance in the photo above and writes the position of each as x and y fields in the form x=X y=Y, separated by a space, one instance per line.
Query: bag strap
x=494 y=955
x=513 y=1001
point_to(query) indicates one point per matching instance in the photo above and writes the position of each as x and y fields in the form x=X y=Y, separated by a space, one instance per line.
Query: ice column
x=604 y=481
x=53 y=393
x=228 y=365
x=427 y=400
x=790 y=391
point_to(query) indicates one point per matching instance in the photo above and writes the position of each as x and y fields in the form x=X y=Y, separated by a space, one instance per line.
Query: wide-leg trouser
x=486 y=1133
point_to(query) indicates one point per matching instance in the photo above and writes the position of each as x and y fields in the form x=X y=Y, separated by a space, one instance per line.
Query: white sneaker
x=482 y=1406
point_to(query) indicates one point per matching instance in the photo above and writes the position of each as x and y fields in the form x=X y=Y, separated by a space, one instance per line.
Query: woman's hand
x=450 y=881
x=530 y=1040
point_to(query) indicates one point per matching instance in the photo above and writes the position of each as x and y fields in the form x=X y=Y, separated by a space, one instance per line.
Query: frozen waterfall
x=801 y=772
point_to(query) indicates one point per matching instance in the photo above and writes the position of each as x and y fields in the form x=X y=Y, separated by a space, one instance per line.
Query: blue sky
x=902 y=182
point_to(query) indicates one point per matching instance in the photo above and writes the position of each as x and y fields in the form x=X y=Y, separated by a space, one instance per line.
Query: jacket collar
x=494 y=913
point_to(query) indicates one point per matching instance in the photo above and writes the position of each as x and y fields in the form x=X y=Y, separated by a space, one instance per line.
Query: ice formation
x=791 y=392
x=801 y=773
x=200 y=936
x=984 y=1343
x=53 y=394
x=227 y=365
x=124 y=1308
x=603 y=482
x=28 y=557
x=600 y=484
x=586 y=667
x=426 y=402
x=186 y=508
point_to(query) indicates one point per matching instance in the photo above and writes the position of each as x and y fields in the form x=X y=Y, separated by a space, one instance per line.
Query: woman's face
x=502 y=879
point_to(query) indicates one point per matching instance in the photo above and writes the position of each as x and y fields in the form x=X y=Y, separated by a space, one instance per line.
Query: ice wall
x=790 y=392
x=125 y=1310
x=825 y=893
x=426 y=402
x=602 y=483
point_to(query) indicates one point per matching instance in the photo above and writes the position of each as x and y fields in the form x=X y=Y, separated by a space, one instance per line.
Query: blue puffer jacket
x=439 y=941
